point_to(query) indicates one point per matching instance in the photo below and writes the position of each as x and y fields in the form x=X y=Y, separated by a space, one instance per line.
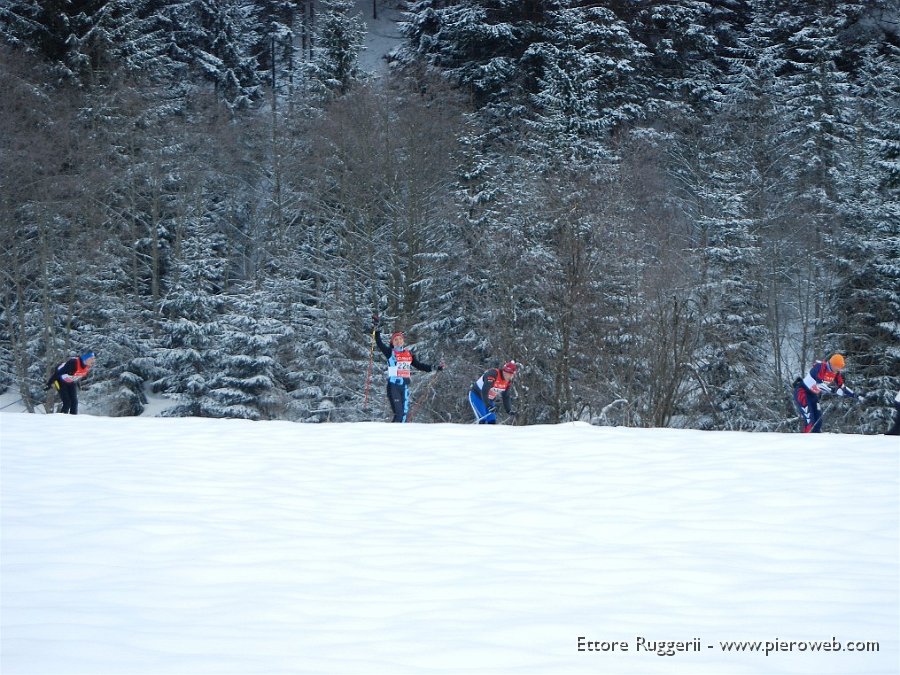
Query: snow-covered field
x=182 y=546
x=382 y=34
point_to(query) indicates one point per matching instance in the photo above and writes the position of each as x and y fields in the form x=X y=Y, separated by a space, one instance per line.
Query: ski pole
x=371 y=361
x=484 y=417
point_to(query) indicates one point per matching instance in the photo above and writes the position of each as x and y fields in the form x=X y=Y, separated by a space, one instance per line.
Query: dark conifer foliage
x=665 y=210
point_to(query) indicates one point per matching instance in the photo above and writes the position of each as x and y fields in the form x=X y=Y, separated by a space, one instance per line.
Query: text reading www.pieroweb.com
x=643 y=645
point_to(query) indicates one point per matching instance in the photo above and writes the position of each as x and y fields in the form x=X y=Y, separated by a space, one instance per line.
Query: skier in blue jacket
x=401 y=361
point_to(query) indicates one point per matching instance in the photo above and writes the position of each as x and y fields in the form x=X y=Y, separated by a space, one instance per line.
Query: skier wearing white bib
x=401 y=361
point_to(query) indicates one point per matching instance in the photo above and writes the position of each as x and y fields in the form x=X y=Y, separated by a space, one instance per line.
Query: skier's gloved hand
x=860 y=397
x=441 y=366
x=824 y=388
x=513 y=413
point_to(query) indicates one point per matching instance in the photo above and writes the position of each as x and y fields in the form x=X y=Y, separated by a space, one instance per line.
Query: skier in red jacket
x=66 y=377
x=493 y=383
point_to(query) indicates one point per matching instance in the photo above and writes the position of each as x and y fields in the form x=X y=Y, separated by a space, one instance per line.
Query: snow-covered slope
x=381 y=34
x=178 y=546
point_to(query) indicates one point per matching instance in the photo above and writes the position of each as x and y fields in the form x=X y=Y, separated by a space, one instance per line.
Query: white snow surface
x=382 y=34
x=182 y=546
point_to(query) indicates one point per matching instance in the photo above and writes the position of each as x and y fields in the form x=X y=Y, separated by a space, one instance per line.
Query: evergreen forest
x=665 y=210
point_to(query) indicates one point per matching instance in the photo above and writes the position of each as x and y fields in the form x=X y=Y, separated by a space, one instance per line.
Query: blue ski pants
x=483 y=415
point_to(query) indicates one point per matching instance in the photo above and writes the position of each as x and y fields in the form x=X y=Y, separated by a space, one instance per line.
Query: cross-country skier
x=895 y=430
x=825 y=377
x=483 y=395
x=66 y=377
x=400 y=362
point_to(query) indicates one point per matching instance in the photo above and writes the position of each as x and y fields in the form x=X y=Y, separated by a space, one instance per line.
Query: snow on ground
x=382 y=34
x=182 y=546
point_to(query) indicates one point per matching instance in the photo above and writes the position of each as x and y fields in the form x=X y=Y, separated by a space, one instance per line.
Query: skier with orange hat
x=493 y=383
x=400 y=363
x=825 y=377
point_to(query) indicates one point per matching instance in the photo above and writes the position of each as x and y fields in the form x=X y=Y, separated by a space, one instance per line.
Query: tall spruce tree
x=588 y=81
x=684 y=65
x=340 y=36
x=279 y=60
x=190 y=353
x=244 y=384
x=733 y=359
x=752 y=111
x=476 y=44
x=218 y=38
x=866 y=317
x=819 y=134
x=91 y=41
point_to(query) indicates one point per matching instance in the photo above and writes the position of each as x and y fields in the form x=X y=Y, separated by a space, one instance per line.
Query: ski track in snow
x=223 y=546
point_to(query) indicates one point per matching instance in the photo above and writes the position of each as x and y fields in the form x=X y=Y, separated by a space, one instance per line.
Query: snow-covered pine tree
x=733 y=359
x=59 y=31
x=244 y=384
x=588 y=83
x=91 y=40
x=683 y=66
x=719 y=167
x=537 y=211
x=218 y=38
x=815 y=96
x=190 y=352
x=288 y=300
x=133 y=37
x=339 y=37
x=476 y=44
x=866 y=319
x=279 y=60
x=751 y=109
x=816 y=93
